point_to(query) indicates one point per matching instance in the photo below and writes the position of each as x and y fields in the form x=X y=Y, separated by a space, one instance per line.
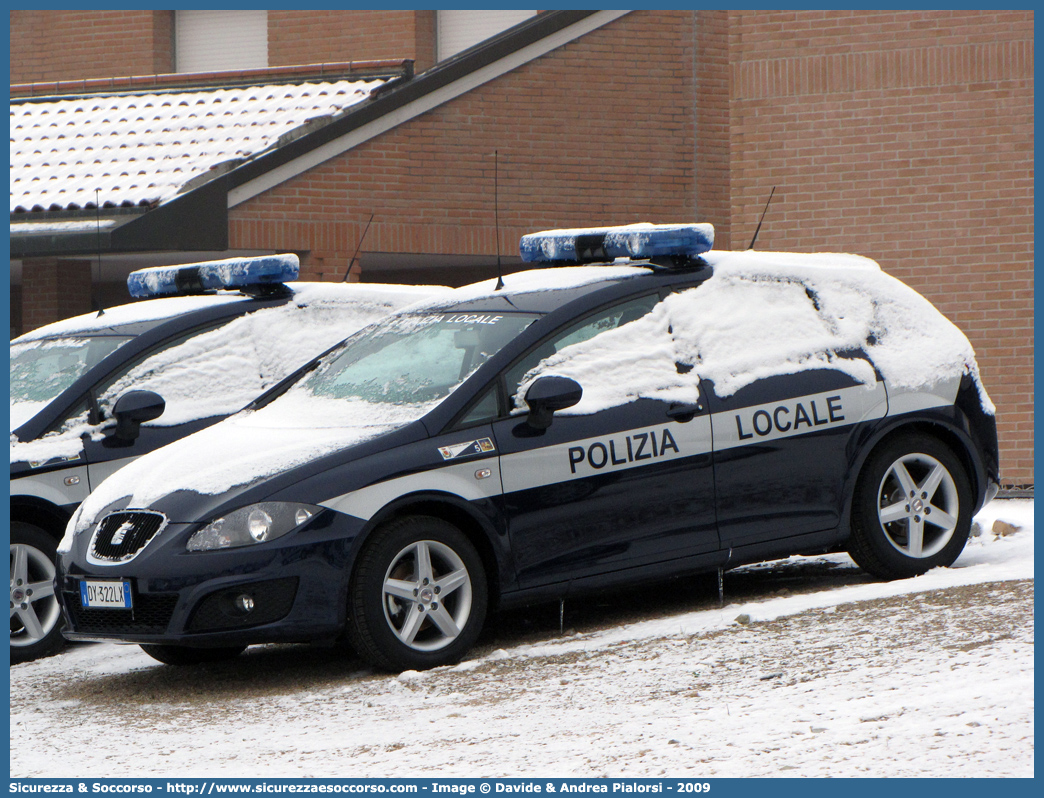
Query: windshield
x=409 y=360
x=40 y=370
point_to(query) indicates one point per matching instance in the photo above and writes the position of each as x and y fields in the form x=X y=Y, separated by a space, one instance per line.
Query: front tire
x=36 y=618
x=912 y=509
x=418 y=597
x=186 y=655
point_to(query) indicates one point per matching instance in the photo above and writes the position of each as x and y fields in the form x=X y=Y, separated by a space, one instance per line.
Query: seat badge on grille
x=121 y=533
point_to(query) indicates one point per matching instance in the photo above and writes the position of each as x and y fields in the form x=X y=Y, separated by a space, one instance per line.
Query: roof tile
x=63 y=150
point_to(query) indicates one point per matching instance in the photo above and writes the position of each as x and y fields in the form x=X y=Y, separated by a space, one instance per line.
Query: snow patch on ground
x=923 y=677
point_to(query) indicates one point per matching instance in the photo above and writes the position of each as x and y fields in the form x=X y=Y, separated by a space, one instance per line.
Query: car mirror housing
x=133 y=408
x=548 y=394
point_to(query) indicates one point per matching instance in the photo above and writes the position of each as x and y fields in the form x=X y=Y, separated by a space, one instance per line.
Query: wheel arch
x=40 y=512
x=452 y=509
x=949 y=435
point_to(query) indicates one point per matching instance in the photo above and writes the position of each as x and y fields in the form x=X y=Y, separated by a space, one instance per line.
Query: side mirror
x=549 y=394
x=131 y=410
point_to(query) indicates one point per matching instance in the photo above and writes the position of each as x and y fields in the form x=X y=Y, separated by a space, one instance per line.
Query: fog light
x=244 y=602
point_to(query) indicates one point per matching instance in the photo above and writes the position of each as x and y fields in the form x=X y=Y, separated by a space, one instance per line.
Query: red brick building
x=906 y=136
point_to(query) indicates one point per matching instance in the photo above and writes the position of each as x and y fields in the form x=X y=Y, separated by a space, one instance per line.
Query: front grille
x=120 y=536
x=150 y=615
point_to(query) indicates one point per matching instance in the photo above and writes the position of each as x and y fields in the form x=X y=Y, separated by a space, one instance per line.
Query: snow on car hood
x=766 y=314
x=246 y=448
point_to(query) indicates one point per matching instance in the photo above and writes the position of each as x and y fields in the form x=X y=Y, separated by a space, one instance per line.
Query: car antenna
x=97 y=208
x=357 y=248
x=496 y=217
x=758 y=230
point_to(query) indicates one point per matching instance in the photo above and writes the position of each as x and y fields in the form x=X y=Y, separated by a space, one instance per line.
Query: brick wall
x=54 y=289
x=594 y=132
x=312 y=37
x=711 y=110
x=72 y=45
x=906 y=137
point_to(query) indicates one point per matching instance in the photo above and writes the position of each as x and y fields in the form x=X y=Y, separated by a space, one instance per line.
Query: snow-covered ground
x=815 y=671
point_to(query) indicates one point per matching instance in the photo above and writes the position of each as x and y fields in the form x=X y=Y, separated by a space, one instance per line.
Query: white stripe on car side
x=562 y=462
x=619 y=451
x=942 y=394
x=799 y=416
x=51 y=486
x=459 y=479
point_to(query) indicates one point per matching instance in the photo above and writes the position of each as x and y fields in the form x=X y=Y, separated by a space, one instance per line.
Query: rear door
x=782 y=449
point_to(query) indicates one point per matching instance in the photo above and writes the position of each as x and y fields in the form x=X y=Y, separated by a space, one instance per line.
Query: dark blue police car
x=575 y=429
x=91 y=393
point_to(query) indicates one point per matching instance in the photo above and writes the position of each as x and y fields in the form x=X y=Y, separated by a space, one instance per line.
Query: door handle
x=683 y=411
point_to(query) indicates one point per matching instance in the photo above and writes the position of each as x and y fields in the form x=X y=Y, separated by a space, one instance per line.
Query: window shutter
x=459 y=30
x=214 y=41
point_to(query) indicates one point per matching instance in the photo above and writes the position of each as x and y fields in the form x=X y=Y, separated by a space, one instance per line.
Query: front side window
x=40 y=370
x=583 y=330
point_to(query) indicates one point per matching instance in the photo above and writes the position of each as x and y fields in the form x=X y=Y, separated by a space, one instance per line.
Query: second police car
x=576 y=429
x=91 y=393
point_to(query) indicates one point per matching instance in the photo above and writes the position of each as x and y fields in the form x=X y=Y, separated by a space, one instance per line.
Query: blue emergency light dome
x=195 y=278
x=683 y=242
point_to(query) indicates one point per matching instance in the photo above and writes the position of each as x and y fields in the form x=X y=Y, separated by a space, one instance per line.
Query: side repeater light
x=669 y=244
x=195 y=278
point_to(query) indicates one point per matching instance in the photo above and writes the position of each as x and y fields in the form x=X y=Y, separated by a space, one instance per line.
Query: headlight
x=255 y=523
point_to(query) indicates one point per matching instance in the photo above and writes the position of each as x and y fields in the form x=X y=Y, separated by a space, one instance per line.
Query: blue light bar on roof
x=195 y=278
x=634 y=241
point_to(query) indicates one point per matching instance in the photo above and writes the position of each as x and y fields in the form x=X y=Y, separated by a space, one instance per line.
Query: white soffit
x=422 y=105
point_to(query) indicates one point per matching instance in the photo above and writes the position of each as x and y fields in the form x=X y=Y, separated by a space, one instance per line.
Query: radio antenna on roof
x=496 y=217
x=357 y=248
x=758 y=230
x=97 y=208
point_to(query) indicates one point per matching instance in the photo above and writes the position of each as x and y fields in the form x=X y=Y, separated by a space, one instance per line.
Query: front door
x=626 y=486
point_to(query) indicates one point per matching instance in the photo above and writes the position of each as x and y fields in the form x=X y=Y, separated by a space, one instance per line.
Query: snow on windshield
x=765 y=314
x=218 y=372
x=388 y=377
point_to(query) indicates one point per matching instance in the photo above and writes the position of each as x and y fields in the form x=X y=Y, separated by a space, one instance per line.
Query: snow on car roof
x=767 y=314
x=131 y=313
x=141 y=149
x=168 y=307
x=533 y=281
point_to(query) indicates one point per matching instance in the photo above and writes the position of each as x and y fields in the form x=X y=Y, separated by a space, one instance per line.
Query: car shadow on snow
x=275 y=670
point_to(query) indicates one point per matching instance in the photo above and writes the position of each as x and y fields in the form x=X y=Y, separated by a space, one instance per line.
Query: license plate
x=106 y=594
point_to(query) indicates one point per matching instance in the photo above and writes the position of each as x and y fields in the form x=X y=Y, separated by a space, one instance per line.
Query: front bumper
x=297 y=585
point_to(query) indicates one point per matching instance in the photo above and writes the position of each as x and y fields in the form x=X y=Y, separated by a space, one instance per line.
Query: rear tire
x=418 y=597
x=36 y=618
x=912 y=508
x=186 y=655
